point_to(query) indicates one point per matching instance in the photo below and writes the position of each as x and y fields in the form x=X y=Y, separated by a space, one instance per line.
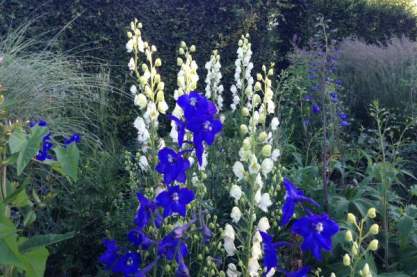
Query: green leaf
x=17 y=140
x=68 y=158
x=7 y=227
x=21 y=200
x=35 y=262
x=15 y=194
x=43 y=240
x=9 y=253
x=29 y=218
x=30 y=148
x=405 y=226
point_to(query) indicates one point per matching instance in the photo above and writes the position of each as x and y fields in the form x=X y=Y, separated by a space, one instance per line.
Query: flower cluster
x=171 y=202
x=214 y=88
x=47 y=143
x=148 y=92
x=357 y=236
x=243 y=78
x=187 y=79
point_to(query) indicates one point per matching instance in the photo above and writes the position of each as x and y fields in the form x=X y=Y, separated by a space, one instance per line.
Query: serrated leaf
x=30 y=148
x=17 y=140
x=43 y=240
x=68 y=159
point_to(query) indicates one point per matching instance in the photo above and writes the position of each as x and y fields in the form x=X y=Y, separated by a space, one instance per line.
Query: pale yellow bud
x=256 y=100
x=258 y=86
x=374 y=230
x=160 y=96
x=157 y=78
x=141 y=101
x=372 y=213
x=144 y=67
x=243 y=129
x=271 y=72
x=267 y=150
x=365 y=270
x=179 y=61
x=245 y=111
x=355 y=249
x=246 y=144
x=263 y=68
x=262 y=136
x=158 y=62
x=351 y=218
x=348 y=236
x=192 y=48
x=259 y=76
x=129 y=34
x=183 y=44
x=153 y=48
x=142 y=80
x=332 y=274
x=161 y=86
x=373 y=245
x=346 y=260
x=240 y=43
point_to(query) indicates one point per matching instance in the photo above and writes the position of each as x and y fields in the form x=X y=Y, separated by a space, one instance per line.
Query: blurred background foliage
x=378 y=61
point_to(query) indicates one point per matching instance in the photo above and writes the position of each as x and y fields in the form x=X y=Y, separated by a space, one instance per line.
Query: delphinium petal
x=175 y=200
x=172 y=165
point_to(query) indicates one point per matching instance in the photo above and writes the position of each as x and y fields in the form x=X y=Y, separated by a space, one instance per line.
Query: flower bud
x=271 y=72
x=372 y=213
x=153 y=48
x=144 y=67
x=262 y=136
x=259 y=76
x=183 y=44
x=181 y=51
x=365 y=270
x=161 y=86
x=373 y=245
x=158 y=62
x=240 y=43
x=256 y=100
x=246 y=144
x=351 y=218
x=179 y=61
x=346 y=260
x=244 y=111
x=355 y=249
x=141 y=101
x=258 y=86
x=243 y=129
x=374 y=230
x=348 y=235
x=267 y=150
x=192 y=48
x=157 y=78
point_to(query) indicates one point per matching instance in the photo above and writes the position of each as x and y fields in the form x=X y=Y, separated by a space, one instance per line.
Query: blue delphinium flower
x=270 y=252
x=127 y=264
x=172 y=165
x=175 y=200
x=180 y=129
x=333 y=96
x=293 y=195
x=343 y=116
x=315 y=108
x=344 y=123
x=317 y=231
x=195 y=105
x=43 y=153
x=109 y=257
x=138 y=238
x=302 y=272
x=74 y=138
x=171 y=246
x=144 y=213
x=199 y=113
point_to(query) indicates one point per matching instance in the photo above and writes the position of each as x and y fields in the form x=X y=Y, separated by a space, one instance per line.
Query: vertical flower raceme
x=242 y=90
x=199 y=123
x=148 y=93
x=187 y=79
x=214 y=88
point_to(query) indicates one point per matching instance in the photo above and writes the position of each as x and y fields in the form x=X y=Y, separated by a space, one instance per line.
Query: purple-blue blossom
x=172 y=165
x=175 y=200
x=317 y=231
